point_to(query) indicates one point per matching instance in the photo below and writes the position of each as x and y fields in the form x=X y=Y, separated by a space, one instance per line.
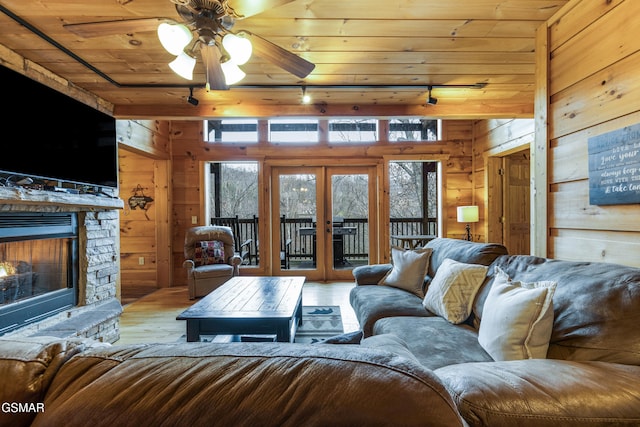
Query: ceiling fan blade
x=247 y=8
x=279 y=56
x=211 y=58
x=112 y=28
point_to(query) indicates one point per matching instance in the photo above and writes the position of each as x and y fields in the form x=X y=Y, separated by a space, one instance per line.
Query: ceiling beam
x=185 y=111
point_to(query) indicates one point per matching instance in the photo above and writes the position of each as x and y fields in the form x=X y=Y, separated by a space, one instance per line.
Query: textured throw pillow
x=451 y=292
x=518 y=319
x=209 y=252
x=409 y=269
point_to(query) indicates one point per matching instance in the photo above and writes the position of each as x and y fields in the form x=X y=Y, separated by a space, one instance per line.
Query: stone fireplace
x=68 y=281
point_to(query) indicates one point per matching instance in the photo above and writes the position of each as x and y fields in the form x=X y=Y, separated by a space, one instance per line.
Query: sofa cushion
x=463 y=251
x=596 y=306
x=545 y=393
x=373 y=302
x=27 y=367
x=409 y=269
x=453 y=289
x=370 y=274
x=389 y=342
x=249 y=384
x=209 y=252
x=518 y=320
x=434 y=341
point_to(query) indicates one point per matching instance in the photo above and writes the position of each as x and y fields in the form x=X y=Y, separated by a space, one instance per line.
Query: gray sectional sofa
x=414 y=367
x=590 y=374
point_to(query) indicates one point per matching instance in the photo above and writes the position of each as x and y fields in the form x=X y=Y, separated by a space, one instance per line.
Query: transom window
x=307 y=130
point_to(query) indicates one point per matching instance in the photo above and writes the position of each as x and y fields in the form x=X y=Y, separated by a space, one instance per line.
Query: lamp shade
x=183 y=66
x=174 y=37
x=232 y=73
x=467 y=214
x=239 y=48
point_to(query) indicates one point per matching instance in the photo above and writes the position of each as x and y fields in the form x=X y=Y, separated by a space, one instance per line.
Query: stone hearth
x=97 y=313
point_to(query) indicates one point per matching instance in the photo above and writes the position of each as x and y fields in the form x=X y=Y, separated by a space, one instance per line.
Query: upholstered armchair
x=210 y=258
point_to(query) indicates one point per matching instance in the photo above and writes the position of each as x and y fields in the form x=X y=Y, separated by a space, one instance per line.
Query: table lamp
x=468 y=214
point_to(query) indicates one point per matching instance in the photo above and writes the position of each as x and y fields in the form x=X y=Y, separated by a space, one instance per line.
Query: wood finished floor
x=152 y=318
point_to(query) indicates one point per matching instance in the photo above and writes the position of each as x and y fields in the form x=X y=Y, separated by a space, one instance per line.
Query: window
x=231 y=130
x=233 y=201
x=413 y=197
x=293 y=130
x=306 y=130
x=414 y=129
x=353 y=130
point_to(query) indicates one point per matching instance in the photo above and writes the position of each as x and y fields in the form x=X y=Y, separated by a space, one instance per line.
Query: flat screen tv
x=49 y=136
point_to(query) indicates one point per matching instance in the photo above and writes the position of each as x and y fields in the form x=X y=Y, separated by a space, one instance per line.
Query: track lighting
x=305 y=96
x=191 y=100
x=431 y=100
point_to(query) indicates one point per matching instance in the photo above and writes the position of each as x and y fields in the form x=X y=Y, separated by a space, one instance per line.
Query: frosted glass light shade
x=183 y=66
x=232 y=73
x=174 y=37
x=467 y=214
x=239 y=48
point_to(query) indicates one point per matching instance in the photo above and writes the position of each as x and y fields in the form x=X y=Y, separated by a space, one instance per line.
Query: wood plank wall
x=143 y=156
x=593 y=88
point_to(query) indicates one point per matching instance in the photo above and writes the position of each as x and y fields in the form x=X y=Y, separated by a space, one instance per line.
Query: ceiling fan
x=207 y=29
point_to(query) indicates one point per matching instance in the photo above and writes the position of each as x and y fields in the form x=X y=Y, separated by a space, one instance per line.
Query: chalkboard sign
x=614 y=167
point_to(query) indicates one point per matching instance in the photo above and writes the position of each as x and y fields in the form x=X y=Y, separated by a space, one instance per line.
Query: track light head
x=430 y=99
x=190 y=99
x=306 y=99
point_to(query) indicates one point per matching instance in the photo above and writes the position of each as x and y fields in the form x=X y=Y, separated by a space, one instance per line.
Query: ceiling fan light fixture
x=183 y=65
x=238 y=47
x=232 y=73
x=174 y=37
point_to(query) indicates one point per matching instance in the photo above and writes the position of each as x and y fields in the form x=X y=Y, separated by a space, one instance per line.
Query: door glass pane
x=298 y=221
x=350 y=208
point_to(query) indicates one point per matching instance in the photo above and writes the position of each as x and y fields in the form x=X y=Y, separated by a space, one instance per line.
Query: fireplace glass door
x=33 y=267
x=38 y=267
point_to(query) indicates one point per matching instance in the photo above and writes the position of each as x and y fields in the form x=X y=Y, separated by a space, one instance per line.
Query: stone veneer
x=97 y=314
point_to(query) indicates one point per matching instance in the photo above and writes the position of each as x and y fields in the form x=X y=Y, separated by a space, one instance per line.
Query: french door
x=323 y=220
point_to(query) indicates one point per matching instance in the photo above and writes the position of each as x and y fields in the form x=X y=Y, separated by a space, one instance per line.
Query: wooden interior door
x=516 y=210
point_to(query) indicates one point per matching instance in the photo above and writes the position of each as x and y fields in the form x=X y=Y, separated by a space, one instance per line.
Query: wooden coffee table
x=248 y=305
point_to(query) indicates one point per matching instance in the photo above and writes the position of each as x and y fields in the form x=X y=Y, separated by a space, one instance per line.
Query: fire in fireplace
x=38 y=266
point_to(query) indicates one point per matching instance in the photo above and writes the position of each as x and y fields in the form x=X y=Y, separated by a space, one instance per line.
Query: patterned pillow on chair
x=209 y=252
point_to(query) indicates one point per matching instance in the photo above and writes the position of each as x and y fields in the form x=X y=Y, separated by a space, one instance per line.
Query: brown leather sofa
x=591 y=373
x=49 y=382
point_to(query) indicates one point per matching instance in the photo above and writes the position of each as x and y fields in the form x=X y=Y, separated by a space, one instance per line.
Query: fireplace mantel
x=26 y=196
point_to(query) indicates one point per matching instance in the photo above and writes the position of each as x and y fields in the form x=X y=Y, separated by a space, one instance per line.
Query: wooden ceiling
x=373 y=57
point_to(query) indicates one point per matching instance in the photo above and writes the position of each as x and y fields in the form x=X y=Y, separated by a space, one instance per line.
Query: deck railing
x=355 y=246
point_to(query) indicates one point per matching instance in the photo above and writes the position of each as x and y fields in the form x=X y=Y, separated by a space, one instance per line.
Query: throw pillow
x=408 y=271
x=209 y=252
x=451 y=292
x=518 y=319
